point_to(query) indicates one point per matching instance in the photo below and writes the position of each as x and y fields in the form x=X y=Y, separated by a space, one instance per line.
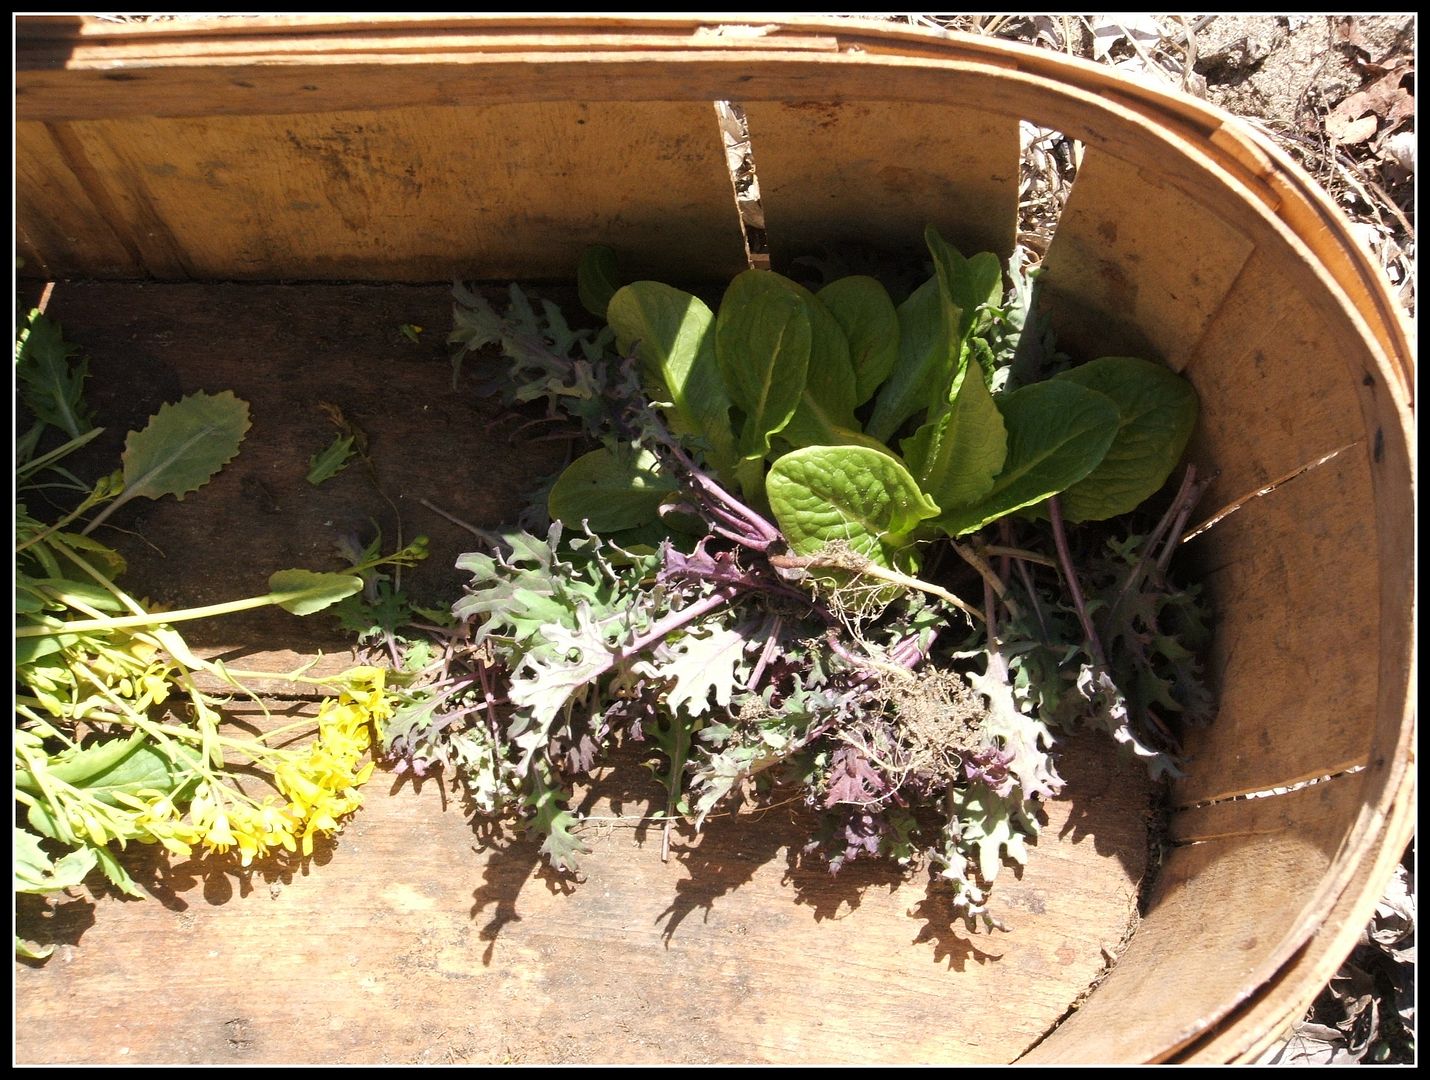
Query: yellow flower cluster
x=319 y=781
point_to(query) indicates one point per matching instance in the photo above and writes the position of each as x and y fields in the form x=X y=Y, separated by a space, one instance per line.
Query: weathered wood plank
x=1294 y=595
x=285 y=349
x=514 y=191
x=417 y=939
x=876 y=173
x=1223 y=916
x=1136 y=266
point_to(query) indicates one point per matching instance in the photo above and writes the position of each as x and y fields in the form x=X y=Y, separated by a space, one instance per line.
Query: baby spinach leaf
x=609 y=490
x=926 y=360
x=852 y=494
x=1157 y=410
x=762 y=345
x=675 y=333
x=863 y=310
x=302 y=592
x=597 y=279
x=958 y=452
x=1058 y=432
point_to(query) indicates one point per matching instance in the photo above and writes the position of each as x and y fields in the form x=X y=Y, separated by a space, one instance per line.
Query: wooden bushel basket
x=211 y=160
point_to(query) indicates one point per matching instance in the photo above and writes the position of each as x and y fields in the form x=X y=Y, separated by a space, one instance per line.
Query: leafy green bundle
x=663 y=605
x=103 y=756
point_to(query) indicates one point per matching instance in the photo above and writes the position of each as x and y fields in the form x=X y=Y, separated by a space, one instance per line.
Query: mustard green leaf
x=37 y=872
x=610 y=491
x=851 y=494
x=862 y=308
x=957 y=453
x=302 y=592
x=184 y=445
x=597 y=279
x=675 y=335
x=1058 y=432
x=1157 y=410
x=51 y=386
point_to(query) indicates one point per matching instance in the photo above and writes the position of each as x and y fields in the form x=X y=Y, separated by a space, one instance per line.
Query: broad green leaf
x=31 y=950
x=675 y=333
x=863 y=310
x=969 y=283
x=327 y=464
x=36 y=872
x=302 y=592
x=51 y=387
x=1058 y=432
x=597 y=279
x=1157 y=410
x=610 y=491
x=71 y=593
x=127 y=766
x=762 y=344
x=829 y=388
x=927 y=355
x=958 y=451
x=183 y=445
x=852 y=494
x=109 y=560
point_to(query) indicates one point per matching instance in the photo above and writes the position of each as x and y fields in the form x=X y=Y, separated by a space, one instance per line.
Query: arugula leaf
x=1157 y=410
x=303 y=592
x=37 y=872
x=330 y=462
x=50 y=385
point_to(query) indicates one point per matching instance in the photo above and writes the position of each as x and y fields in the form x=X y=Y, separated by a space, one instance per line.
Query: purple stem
x=1060 y=540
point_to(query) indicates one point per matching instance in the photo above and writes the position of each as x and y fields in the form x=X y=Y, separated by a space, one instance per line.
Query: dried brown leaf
x=1384 y=102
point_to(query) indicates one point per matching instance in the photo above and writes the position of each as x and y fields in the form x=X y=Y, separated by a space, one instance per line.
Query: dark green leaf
x=927 y=355
x=597 y=279
x=762 y=343
x=1057 y=434
x=302 y=592
x=970 y=284
x=960 y=449
x=675 y=333
x=851 y=494
x=1157 y=410
x=610 y=491
x=862 y=308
